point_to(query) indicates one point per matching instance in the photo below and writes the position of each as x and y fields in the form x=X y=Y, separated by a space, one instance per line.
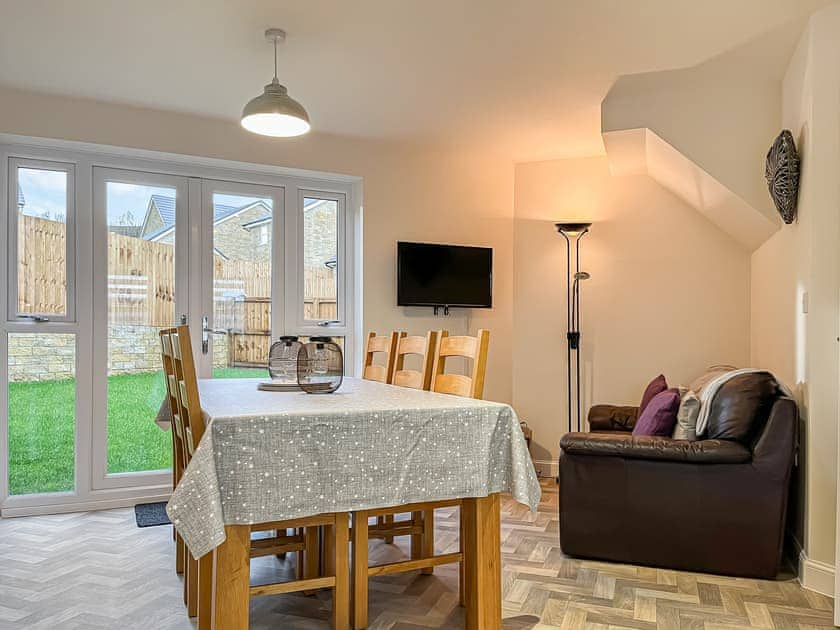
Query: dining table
x=270 y=456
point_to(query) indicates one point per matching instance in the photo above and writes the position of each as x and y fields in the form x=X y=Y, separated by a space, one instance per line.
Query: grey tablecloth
x=270 y=456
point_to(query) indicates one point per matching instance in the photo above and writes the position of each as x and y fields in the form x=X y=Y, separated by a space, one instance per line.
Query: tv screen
x=444 y=275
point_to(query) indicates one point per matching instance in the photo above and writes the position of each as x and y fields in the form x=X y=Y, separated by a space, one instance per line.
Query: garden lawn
x=41 y=429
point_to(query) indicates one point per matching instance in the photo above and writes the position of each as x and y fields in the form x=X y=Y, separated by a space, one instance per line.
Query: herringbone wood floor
x=97 y=570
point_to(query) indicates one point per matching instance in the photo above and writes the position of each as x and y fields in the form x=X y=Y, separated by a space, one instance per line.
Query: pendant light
x=274 y=112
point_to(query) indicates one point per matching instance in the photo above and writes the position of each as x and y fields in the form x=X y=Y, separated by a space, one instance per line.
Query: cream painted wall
x=803 y=258
x=721 y=114
x=669 y=291
x=409 y=193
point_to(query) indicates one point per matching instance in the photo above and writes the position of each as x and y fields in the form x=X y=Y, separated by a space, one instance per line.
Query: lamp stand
x=573 y=278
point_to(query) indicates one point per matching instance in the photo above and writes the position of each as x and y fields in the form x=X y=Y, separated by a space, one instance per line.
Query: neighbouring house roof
x=165 y=207
x=308 y=205
x=21 y=198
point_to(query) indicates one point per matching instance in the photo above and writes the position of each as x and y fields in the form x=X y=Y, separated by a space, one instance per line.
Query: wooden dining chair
x=379 y=345
x=421 y=524
x=424 y=348
x=205 y=578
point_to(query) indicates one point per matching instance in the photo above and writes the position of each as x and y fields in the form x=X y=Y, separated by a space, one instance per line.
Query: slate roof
x=166 y=207
x=21 y=198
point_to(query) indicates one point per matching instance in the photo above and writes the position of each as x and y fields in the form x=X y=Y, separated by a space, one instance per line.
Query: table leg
x=231 y=579
x=482 y=563
x=360 y=570
x=341 y=592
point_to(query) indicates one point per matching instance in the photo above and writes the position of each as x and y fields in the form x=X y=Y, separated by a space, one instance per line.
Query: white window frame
x=344 y=273
x=102 y=176
x=82 y=158
x=69 y=169
x=277 y=194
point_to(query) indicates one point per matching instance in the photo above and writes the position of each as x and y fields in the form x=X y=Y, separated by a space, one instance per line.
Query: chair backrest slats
x=189 y=404
x=474 y=348
x=385 y=344
x=420 y=346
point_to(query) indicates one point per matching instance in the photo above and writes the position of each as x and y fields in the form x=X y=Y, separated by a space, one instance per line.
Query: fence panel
x=141 y=282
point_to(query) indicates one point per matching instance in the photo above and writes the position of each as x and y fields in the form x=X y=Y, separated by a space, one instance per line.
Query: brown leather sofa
x=716 y=505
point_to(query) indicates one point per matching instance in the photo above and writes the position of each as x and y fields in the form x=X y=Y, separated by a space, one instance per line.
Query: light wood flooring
x=98 y=570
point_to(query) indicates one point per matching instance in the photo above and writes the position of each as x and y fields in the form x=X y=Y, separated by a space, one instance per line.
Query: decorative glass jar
x=282 y=360
x=320 y=366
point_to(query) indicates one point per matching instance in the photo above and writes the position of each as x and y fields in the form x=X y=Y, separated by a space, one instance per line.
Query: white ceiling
x=521 y=77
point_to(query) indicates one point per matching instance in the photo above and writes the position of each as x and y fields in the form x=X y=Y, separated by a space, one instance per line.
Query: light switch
x=805 y=303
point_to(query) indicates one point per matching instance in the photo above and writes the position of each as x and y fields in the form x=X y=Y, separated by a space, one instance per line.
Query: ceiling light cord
x=276 y=80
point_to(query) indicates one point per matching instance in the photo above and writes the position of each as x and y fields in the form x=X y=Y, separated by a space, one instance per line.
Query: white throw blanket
x=707 y=395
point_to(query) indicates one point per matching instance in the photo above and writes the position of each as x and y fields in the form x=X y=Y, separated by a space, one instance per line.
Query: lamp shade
x=572 y=228
x=275 y=113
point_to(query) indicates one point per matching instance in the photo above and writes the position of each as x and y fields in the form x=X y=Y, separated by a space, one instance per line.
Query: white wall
x=722 y=113
x=669 y=291
x=803 y=258
x=409 y=193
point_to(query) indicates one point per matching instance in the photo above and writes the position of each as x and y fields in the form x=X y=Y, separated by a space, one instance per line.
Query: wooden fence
x=141 y=285
x=42 y=276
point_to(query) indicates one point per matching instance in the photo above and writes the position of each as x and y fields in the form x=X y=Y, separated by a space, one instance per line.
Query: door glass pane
x=42 y=246
x=320 y=258
x=242 y=237
x=141 y=301
x=42 y=412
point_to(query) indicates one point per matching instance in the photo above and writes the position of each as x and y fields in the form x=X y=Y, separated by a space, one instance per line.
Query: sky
x=46 y=192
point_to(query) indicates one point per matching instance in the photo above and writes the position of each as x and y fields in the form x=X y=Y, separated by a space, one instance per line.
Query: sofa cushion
x=741 y=406
x=660 y=415
x=686 y=426
x=656 y=386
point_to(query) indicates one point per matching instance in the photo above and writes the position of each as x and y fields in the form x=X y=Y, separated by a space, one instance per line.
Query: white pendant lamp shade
x=274 y=112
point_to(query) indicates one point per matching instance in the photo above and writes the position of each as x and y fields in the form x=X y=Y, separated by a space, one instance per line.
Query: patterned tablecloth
x=269 y=456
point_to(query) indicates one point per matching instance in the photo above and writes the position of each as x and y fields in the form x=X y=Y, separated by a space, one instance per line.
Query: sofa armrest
x=654 y=448
x=612 y=418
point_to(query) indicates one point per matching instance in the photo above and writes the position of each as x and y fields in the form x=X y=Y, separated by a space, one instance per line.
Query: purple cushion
x=660 y=416
x=656 y=386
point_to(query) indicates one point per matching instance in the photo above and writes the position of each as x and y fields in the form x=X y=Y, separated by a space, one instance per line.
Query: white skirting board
x=815 y=575
x=547 y=468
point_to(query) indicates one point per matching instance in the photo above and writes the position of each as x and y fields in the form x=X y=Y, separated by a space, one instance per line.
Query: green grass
x=41 y=429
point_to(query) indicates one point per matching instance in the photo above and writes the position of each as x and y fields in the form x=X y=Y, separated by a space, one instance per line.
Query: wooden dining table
x=272 y=456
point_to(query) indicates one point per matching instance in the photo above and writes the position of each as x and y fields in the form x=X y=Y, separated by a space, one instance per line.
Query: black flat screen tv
x=444 y=275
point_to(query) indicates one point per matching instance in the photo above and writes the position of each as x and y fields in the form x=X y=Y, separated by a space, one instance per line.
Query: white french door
x=242 y=277
x=141 y=281
x=104 y=247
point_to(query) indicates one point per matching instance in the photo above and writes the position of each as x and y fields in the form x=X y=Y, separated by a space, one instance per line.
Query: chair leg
x=312 y=556
x=428 y=539
x=360 y=570
x=300 y=558
x=462 y=581
x=416 y=539
x=205 y=592
x=191 y=583
x=179 y=554
x=388 y=520
x=340 y=533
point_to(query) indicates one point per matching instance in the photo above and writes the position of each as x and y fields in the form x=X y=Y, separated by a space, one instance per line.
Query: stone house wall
x=131 y=349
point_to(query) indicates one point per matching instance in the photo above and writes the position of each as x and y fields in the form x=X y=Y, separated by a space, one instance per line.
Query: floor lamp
x=572 y=233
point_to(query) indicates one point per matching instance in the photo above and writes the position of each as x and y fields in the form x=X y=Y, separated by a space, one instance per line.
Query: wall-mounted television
x=429 y=274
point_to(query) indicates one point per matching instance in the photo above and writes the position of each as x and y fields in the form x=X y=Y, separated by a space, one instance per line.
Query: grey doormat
x=151 y=514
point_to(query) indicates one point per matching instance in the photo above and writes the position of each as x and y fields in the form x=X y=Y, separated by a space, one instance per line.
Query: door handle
x=206 y=331
x=35 y=318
